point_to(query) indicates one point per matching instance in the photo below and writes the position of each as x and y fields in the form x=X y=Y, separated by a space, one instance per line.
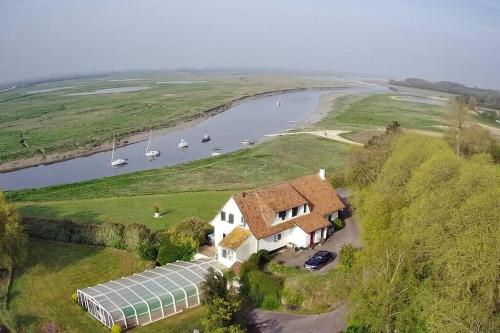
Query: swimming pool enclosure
x=142 y=298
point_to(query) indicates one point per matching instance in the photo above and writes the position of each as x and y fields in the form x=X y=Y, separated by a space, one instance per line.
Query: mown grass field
x=41 y=294
x=174 y=208
x=34 y=124
x=275 y=160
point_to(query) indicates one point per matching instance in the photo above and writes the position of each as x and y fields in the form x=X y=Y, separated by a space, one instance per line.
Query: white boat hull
x=152 y=154
x=118 y=162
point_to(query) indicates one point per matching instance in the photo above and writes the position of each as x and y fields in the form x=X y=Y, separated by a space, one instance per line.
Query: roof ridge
x=276 y=184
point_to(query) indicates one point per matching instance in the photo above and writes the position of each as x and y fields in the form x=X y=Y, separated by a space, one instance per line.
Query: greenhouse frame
x=154 y=294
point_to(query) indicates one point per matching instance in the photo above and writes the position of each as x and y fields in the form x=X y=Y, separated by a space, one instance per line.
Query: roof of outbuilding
x=259 y=206
x=235 y=238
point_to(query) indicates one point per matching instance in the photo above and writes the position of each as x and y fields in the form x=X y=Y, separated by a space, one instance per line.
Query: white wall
x=224 y=227
x=246 y=249
x=299 y=237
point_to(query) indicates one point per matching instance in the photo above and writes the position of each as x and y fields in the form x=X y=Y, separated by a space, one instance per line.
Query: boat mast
x=113 y=151
x=149 y=141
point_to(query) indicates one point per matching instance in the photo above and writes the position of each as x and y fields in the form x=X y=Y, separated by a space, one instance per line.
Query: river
x=250 y=119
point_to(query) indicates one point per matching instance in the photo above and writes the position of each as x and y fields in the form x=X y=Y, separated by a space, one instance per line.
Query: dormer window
x=295 y=211
x=282 y=215
x=305 y=208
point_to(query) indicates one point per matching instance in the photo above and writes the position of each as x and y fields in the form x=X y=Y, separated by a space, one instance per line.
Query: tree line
x=486 y=97
x=430 y=228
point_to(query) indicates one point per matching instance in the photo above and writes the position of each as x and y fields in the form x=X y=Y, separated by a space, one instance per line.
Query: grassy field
x=357 y=112
x=52 y=121
x=174 y=208
x=275 y=160
x=41 y=294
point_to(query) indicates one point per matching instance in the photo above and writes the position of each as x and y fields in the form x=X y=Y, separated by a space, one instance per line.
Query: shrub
x=292 y=298
x=338 y=224
x=193 y=228
x=173 y=249
x=263 y=289
x=255 y=262
x=74 y=297
x=116 y=328
x=9 y=320
x=111 y=234
x=347 y=256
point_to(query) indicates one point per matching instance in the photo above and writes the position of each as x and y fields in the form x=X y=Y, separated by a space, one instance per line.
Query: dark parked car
x=318 y=260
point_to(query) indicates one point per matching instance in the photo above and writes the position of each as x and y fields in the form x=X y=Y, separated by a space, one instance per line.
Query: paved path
x=350 y=234
x=329 y=134
x=275 y=322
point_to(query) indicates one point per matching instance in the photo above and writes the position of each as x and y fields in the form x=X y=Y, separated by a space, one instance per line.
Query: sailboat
x=151 y=154
x=118 y=161
x=183 y=144
x=205 y=138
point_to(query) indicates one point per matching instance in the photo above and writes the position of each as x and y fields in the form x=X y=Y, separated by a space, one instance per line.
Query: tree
x=12 y=237
x=430 y=234
x=214 y=286
x=221 y=314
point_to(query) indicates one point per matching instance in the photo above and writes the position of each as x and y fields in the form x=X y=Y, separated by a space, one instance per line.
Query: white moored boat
x=247 y=142
x=118 y=161
x=183 y=144
x=151 y=154
x=205 y=138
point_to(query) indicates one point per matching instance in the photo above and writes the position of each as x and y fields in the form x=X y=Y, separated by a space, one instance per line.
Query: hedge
x=133 y=237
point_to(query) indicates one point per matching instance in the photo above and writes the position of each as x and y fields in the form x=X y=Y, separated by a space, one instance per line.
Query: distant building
x=296 y=213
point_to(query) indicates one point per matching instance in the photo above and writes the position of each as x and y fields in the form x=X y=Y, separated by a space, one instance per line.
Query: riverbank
x=139 y=136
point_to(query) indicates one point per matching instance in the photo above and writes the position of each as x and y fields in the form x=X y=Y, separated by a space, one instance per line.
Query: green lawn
x=53 y=122
x=275 y=160
x=357 y=112
x=41 y=294
x=175 y=207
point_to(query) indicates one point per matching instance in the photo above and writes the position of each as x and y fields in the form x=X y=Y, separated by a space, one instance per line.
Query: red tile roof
x=260 y=206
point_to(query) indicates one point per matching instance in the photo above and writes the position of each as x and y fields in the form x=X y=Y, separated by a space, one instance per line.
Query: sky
x=454 y=40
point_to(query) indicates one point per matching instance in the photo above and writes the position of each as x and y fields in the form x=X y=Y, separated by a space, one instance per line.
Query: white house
x=298 y=213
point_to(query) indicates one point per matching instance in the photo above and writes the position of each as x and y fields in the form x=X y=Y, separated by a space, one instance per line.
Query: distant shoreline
x=140 y=136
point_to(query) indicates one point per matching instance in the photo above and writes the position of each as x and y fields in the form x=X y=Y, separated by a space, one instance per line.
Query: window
x=295 y=211
x=305 y=208
x=277 y=237
x=228 y=254
x=231 y=218
x=222 y=216
x=223 y=235
x=242 y=222
x=282 y=215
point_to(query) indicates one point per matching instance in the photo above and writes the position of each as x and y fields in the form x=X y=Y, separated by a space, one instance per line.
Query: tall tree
x=12 y=237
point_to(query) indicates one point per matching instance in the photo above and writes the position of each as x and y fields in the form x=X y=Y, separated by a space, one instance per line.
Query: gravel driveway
x=274 y=322
x=350 y=234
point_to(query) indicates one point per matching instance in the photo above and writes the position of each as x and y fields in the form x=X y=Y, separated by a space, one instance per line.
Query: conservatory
x=145 y=297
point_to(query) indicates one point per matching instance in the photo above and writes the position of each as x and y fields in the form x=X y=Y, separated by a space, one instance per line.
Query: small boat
x=205 y=138
x=151 y=154
x=279 y=103
x=292 y=121
x=183 y=144
x=247 y=142
x=216 y=153
x=118 y=161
